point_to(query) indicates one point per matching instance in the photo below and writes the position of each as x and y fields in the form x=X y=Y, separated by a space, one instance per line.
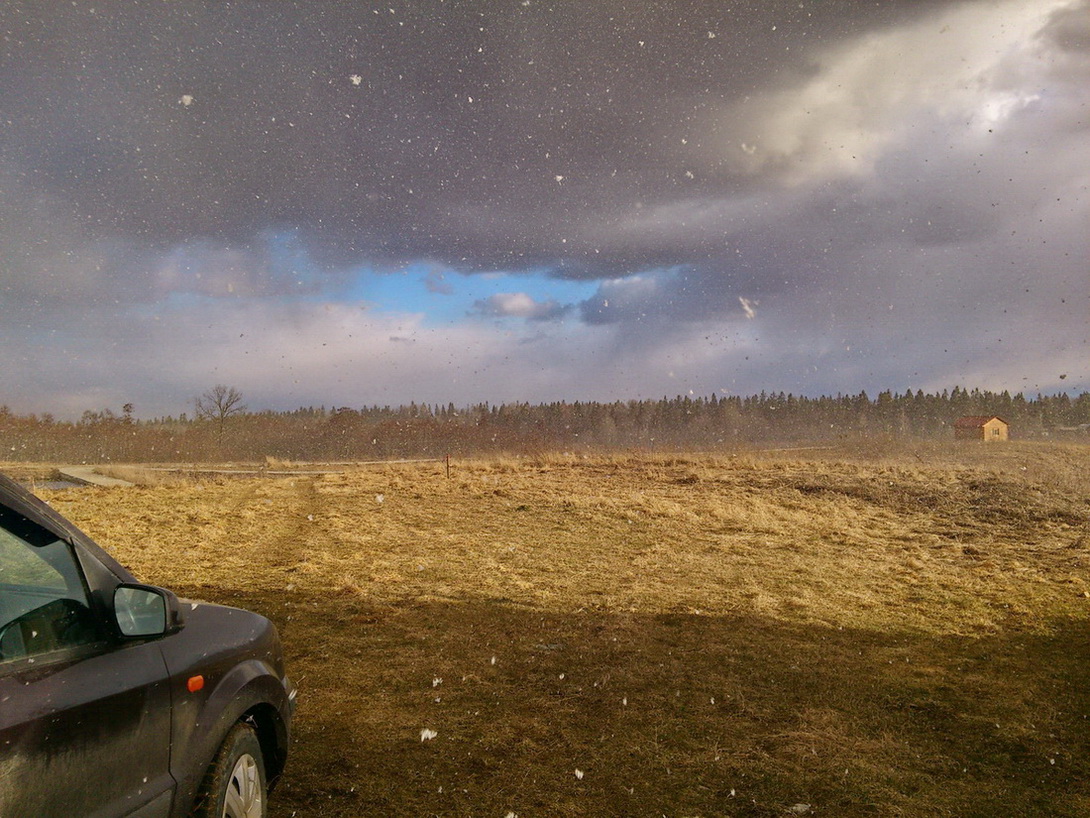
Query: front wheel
x=235 y=784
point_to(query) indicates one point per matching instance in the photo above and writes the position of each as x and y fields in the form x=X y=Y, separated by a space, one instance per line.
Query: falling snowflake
x=579 y=774
x=186 y=100
x=427 y=735
x=356 y=79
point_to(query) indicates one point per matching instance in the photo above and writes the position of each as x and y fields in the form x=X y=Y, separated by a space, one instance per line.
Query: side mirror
x=143 y=611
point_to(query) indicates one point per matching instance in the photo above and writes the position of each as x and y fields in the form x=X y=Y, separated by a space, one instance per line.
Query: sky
x=355 y=204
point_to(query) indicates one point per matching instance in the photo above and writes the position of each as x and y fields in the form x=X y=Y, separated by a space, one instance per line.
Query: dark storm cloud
x=835 y=192
x=469 y=133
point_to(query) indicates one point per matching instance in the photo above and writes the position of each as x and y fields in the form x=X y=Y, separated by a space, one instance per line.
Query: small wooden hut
x=989 y=428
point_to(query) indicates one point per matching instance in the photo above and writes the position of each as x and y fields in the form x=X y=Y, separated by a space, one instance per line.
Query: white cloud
x=283 y=356
x=520 y=305
x=975 y=64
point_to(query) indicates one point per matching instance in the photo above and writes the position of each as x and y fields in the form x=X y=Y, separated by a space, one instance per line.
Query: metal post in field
x=447 y=459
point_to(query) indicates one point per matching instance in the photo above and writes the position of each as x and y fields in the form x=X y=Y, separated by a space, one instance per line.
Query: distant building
x=988 y=428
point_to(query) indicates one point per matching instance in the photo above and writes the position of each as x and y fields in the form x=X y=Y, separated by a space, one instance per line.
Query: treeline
x=423 y=431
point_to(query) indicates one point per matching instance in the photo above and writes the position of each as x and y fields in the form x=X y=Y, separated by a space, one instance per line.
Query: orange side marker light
x=195 y=683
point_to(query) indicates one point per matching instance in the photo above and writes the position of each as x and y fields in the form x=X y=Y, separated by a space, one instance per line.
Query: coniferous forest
x=681 y=423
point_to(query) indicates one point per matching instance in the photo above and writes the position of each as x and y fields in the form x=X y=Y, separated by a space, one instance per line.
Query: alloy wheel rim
x=244 y=796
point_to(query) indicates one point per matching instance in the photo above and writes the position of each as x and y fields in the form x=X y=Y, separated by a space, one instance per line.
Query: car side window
x=43 y=600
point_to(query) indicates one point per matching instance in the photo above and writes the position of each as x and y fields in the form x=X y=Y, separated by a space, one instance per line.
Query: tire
x=234 y=786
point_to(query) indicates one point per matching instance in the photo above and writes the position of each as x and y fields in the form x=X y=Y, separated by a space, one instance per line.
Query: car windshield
x=43 y=603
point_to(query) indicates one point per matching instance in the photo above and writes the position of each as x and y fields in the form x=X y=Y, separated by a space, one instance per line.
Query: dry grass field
x=892 y=633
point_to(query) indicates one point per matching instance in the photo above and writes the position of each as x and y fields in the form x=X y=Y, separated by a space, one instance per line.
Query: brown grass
x=870 y=633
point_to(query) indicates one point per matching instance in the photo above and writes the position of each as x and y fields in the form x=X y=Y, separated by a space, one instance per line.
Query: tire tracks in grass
x=270 y=527
x=286 y=549
x=276 y=527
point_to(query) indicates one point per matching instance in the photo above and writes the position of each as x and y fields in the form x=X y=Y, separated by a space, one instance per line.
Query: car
x=118 y=698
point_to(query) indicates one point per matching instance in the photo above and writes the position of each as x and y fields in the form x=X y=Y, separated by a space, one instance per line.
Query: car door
x=84 y=716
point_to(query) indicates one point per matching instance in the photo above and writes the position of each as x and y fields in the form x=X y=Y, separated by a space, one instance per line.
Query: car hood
x=218 y=636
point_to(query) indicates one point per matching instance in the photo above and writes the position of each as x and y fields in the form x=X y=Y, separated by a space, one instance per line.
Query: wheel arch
x=248 y=694
x=272 y=734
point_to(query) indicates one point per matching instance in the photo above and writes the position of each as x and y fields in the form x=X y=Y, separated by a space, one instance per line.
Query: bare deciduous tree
x=219 y=403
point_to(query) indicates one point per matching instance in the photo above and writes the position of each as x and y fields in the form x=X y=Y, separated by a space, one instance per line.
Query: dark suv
x=118 y=699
